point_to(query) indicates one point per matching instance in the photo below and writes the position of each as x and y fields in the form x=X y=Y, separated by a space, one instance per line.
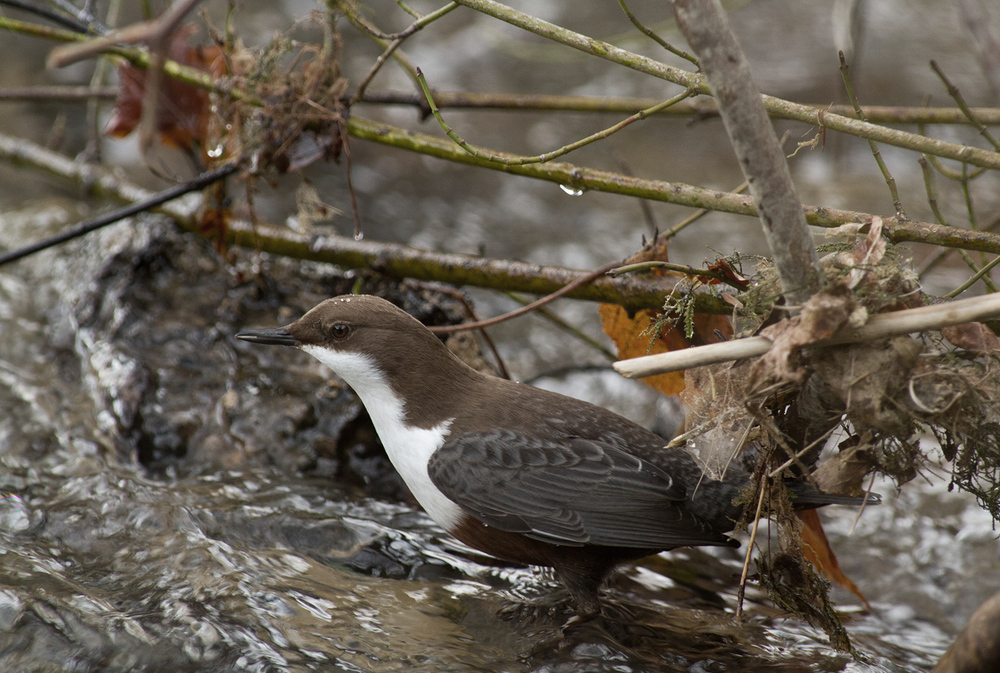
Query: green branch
x=579 y=177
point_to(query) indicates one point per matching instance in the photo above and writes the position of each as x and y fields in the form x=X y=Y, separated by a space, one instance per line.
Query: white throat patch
x=408 y=448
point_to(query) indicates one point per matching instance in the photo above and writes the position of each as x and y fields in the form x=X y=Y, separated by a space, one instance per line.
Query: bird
x=523 y=474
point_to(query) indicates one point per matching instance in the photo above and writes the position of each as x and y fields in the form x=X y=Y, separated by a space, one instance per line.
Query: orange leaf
x=817 y=549
x=627 y=333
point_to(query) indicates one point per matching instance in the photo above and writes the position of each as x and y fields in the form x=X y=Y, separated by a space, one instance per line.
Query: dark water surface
x=174 y=500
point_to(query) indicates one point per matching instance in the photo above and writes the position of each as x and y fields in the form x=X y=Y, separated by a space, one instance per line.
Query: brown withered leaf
x=725 y=269
x=214 y=225
x=845 y=471
x=627 y=333
x=817 y=550
x=183 y=115
x=972 y=336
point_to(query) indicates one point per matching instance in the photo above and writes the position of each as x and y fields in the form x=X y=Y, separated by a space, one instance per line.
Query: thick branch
x=881 y=326
x=402 y=261
x=752 y=137
x=391 y=259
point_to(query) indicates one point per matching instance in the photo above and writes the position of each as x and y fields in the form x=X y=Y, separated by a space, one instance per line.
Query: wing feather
x=578 y=492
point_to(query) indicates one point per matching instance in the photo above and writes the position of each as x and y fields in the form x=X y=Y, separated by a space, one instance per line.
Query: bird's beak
x=275 y=336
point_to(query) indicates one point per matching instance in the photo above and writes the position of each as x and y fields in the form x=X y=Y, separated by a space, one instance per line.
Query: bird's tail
x=805 y=496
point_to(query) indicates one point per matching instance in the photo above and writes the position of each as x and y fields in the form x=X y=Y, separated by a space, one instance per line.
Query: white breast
x=408 y=448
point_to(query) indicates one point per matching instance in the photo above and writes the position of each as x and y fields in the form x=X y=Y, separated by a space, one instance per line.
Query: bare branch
x=889 y=180
x=776 y=107
x=752 y=137
x=700 y=108
x=881 y=326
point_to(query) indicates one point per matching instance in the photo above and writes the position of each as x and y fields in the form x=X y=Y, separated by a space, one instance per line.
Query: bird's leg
x=584 y=582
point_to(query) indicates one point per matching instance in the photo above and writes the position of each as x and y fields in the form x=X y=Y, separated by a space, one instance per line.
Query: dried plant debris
x=772 y=416
x=300 y=86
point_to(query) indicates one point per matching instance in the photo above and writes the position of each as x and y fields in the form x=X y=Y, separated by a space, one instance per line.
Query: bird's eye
x=340 y=330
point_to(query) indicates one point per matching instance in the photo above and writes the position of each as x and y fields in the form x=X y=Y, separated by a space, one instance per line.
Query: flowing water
x=173 y=499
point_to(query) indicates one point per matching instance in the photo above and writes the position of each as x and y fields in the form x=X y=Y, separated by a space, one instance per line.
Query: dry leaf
x=182 y=119
x=845 y=471
x=972 y=336
x=822 y=315
x=627 y=333
x=725 y=269
x=817 y=550
x=631 y=333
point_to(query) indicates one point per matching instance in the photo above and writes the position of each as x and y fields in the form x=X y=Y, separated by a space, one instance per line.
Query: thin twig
x=84 y=228
x=582 y=280
x=346 y=144
x=482 y=153
x=679 y=268
x=409 y=10
x=397 y=40
x=864 y=504
x=979 y=274
x=647 y=211
x=959 y=99
x=741 y=592
x=651 y=34
x=931 y=188
x=46 y=13
x=396 y=53
x=889 y=180
x=701 y=108
x=944 y=170
x=563 y=325
x=797 y=457
x=84 y=15
x=58 y=92
x=459 y=296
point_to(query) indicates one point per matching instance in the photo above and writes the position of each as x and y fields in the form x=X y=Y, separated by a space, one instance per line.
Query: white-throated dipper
x=520 y=473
